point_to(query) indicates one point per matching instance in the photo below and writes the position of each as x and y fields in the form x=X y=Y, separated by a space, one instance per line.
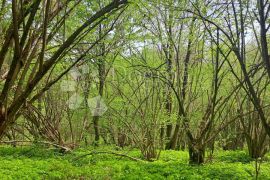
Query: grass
x=39 y=163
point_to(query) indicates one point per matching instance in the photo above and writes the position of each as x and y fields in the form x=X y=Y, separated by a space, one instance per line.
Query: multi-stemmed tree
x=31 y=47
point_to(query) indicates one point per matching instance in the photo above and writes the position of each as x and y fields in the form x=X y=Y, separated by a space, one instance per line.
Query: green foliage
x=234 y=156
x=39 y=163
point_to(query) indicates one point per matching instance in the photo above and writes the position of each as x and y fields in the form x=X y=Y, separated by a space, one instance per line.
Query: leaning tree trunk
x=3 y=121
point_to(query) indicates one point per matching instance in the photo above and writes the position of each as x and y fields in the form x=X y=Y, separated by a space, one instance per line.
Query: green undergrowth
x=40 y=163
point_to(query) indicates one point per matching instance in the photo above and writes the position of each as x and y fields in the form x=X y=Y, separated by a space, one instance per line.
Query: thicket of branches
x=151 y=74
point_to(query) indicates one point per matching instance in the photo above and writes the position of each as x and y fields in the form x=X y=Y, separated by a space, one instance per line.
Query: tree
x=239 y=16
x=29 y=38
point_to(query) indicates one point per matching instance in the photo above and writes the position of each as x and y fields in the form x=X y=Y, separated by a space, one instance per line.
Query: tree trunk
x=169 y=131
x=101 y=76
x=257 y=147
x=162 y=131
x=3 y=122
x=121 y=139
x=173 y=141
x=96 y=128
x=196 y=155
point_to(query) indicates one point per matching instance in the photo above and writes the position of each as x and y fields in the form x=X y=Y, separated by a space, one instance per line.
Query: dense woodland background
x=151 y=75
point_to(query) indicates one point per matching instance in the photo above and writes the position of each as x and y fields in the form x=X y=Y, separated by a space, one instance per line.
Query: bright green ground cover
x=38 y=163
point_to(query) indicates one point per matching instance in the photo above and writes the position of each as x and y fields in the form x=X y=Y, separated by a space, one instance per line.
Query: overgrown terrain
x=40 y=163
x=134 y=89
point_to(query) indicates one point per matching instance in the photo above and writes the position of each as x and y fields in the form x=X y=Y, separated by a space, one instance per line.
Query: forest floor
x=40 y=163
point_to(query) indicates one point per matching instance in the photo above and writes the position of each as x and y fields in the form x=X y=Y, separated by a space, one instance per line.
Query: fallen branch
x=62 y=148
x=109 y=152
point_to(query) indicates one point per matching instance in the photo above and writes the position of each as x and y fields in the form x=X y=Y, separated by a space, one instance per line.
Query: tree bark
x=96 y=128
x=174 y=139
x=196 y=155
